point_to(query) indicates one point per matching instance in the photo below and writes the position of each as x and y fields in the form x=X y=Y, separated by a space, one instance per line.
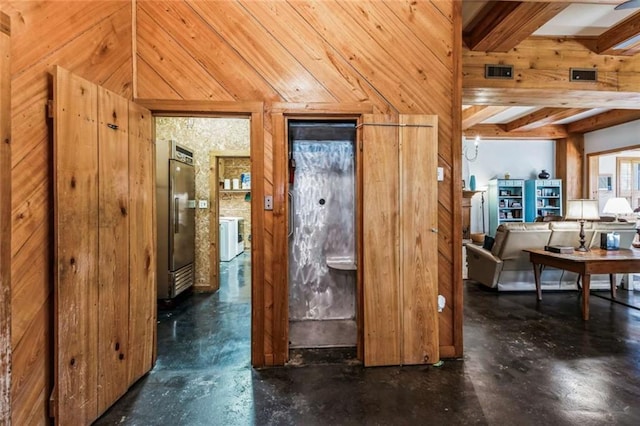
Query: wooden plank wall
x=5 y=219
x=96 y=46
x=307 y=51
x=318 y=52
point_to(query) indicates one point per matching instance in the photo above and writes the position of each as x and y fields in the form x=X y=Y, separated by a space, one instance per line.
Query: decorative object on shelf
x=582 y=210
x=472 y=182
x=507 y=175
x=544 y=174
x=476 y=143
x=617 y=206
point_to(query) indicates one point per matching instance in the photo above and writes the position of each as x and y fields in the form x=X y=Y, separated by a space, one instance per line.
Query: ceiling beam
x=502 y=25
x=541 y=77
x=541 y=117
x=478 y=113
x=625 y=31
x=495 y=131
x=604 y=120
x=550 y=98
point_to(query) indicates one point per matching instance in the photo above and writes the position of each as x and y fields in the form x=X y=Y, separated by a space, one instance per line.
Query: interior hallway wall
x=522 y=159
x=204 y=135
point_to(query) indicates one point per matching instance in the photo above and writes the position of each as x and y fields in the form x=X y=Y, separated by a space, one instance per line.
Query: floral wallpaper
x=202 y=135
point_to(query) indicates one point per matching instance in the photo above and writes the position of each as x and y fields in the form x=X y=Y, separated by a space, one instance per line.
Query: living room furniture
x=506 y=267
x=543 y=197
x=585 y=264
x=582 y=210
x=505 y=198
x=617 y=206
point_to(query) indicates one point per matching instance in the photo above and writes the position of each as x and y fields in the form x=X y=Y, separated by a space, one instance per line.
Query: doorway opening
x=322 y=238
x=215 y=314
x=615 y=175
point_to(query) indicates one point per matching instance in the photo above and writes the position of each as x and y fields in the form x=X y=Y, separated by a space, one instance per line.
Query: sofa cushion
x=568 y=233
x=532 y=233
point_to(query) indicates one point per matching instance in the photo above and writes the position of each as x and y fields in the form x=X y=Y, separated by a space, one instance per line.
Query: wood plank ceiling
x=505 y=33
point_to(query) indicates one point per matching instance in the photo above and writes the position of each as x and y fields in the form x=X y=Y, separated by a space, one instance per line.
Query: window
x=604 y=183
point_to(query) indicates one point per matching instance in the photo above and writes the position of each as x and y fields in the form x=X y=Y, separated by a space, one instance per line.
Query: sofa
x=506 y=267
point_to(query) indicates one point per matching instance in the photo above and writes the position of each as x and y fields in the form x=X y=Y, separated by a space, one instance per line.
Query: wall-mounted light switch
x=440 y=174
x=203 y=204
x=268 y=202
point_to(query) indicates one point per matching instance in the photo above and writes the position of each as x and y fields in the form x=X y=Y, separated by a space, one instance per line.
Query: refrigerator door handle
x=291 y=214
x=176 y=214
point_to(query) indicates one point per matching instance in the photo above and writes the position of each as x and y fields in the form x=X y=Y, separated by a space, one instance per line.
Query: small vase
x=544 y=174
x=472 y=182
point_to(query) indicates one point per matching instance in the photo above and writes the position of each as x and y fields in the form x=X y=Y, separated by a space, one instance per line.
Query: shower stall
x=322 y=234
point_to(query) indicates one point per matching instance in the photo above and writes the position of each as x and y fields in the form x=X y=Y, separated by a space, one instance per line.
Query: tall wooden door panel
x=113 y=237
x=105 y=247
x=76 y=248
x=400 y=239
x=419 y=238
x=380 y=241
x=142 y=249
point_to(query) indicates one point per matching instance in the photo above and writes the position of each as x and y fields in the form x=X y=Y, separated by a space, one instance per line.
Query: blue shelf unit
x=543 y=197
x=506 y=202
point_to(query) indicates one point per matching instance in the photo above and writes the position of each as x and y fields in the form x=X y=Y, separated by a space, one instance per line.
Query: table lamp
x=617 y=206
x=582 y=210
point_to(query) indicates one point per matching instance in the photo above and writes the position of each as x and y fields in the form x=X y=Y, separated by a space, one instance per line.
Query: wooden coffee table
x=595 y=261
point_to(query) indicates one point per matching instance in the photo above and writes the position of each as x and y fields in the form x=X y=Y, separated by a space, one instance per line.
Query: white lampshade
x=617 y=206
x=582 y=210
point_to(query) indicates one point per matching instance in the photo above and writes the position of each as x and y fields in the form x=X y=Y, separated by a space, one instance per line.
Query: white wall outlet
x=442 y=302
x=440 y=174
x=203 y=204
x=268 y=202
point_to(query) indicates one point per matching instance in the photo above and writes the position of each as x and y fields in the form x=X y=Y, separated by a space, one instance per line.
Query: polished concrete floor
x=525 y=363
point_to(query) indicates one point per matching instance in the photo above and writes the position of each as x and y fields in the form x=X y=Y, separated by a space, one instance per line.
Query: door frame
x=254 y=111
x=593 y=171
x=281 y=114
x=214 y=213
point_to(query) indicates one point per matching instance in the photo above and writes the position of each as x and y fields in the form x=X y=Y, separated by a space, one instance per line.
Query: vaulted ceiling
x=543 y=41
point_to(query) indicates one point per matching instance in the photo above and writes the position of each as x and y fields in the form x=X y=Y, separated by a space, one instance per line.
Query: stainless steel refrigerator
x=176 y=221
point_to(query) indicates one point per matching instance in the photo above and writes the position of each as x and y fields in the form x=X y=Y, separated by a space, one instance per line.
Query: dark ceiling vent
x=583 y=74
x=498 y=71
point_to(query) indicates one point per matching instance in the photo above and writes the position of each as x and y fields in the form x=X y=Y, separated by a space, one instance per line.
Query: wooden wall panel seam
x=5 y=219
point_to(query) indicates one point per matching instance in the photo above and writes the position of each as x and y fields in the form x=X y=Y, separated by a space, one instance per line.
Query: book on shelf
x=559 y=249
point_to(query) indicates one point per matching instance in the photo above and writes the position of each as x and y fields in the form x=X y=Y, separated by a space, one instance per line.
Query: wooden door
x=104 y=304
x=400 y=239
x=214 y=223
